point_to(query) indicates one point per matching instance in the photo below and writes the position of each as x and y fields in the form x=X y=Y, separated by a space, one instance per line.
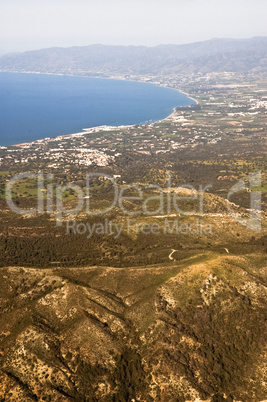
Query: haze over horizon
x=34 y=24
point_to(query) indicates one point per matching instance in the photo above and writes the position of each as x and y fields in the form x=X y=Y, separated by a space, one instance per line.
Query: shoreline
x=188 y=95
x=98 y=128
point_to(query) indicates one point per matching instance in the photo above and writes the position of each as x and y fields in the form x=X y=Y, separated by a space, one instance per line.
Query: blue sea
x=36 y=106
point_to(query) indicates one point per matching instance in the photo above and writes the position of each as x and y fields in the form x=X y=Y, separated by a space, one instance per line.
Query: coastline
x=101 y=127
x=188 y=95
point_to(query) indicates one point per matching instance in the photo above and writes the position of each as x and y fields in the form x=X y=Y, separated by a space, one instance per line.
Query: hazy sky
x=35 y=24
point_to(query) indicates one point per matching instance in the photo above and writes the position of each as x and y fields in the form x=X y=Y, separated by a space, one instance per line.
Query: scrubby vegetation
x=181 y=315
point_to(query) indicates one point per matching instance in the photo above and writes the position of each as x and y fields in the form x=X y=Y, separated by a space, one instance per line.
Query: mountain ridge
x=215 y=55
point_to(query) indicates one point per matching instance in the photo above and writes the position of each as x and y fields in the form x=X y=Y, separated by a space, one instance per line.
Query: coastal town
x=133 y=201
x=223 y=111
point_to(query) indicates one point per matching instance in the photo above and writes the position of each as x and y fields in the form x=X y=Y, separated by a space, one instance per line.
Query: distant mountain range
x=245 y=56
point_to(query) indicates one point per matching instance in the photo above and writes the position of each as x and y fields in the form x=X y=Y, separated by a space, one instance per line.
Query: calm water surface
x=36 y=106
